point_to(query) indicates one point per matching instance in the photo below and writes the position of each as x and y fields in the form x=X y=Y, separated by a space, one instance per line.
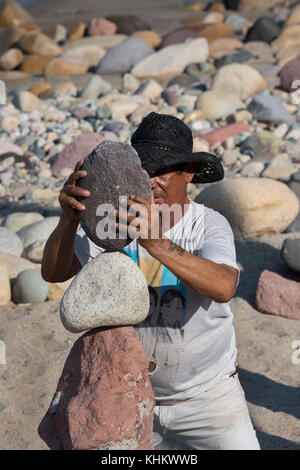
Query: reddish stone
x=215 y=138
x=103 y=399
x=80 y=148
x=82 y=112
x=99 y=26
x=278 y=295
x=178 y=36
x=290 y=75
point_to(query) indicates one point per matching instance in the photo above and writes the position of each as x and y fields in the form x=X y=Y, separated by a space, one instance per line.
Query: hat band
x=162 y=146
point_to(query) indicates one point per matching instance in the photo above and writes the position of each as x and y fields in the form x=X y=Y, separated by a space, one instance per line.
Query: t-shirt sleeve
x=218 y=241
x=85 y=250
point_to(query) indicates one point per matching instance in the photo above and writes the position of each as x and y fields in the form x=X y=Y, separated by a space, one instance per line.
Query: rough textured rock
x=103 y=399
x=80 y=148
x=123 y=57
x=264 y=29
x=18 y=220
x=128 y=24
x=270 y=109
x=241 y=78
x=108 y=291
x=253 y=206
x=113 y=170
x=290 y=253
x=278 y=296
x=38 y=231
x=172 y=60
x=10 y=242
x=5 y=291
x=29 y=287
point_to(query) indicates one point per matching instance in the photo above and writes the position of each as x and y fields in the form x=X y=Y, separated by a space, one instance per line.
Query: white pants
x=216 y=419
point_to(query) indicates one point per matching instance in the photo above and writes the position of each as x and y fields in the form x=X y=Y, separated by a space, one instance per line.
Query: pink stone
x=82 y=112
x=215 y=138
x=104 y=398
x=80 y=148
x=6 y=147
x=99 y=26
x=278 y=295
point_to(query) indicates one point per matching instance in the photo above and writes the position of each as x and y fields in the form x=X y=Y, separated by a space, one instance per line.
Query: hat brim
x=154 y=158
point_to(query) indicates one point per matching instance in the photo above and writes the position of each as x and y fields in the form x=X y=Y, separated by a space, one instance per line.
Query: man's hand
x=141 y=218
x=69 y=192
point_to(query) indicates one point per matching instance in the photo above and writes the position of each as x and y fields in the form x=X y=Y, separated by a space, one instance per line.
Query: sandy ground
x=37 y=346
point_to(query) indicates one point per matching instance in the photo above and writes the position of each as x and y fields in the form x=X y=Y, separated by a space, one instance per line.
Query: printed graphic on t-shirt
x=167 y=298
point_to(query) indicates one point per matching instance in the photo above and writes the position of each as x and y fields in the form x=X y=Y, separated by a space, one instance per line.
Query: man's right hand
x=69 y=192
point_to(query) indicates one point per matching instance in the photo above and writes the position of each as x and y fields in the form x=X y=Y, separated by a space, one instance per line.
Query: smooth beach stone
x=219 y=105
x=30 y=287
x=264 y=29
x=123 y=57
x=5 y=289
x=38 y=231
x=108 y=291
x=113 y=170
x=178 y=36
x=253 y=206
x=290 y=253
x=128 y=24
x=242 y=78
x=10 y=242
x=18 y=220
x=270 y=109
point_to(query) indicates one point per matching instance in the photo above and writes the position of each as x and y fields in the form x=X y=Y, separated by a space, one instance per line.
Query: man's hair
x=169 y=295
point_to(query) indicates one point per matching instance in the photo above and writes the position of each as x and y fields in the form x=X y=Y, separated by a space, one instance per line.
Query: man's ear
x=190 y=169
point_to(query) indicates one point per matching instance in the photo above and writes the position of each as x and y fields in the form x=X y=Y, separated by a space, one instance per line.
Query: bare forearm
x=59 y=251
x=204 y=276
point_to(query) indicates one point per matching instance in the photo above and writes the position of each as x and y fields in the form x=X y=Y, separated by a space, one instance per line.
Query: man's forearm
x=59 y=251
x=204 y=276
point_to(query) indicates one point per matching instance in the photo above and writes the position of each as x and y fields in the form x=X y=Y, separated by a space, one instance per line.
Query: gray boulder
x=123 y=57
x=269 y=109
x=290 y=253
x=29 y=287
x=39 y=231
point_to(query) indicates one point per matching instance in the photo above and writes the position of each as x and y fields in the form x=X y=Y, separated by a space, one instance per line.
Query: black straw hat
x=162 y=141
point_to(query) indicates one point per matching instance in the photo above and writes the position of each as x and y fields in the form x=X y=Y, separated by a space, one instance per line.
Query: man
x=199 y=400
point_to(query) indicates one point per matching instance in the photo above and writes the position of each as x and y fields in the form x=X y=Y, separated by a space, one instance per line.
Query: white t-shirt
x=190 y=337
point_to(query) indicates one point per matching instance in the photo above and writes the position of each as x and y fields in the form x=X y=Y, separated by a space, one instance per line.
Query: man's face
x=169 y=185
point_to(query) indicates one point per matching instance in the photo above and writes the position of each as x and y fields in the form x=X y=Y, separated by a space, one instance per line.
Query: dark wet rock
x=123 y=57
x=264 y=29
x=295 y=225
x=178 y=36
x=252 y=146
x=128 y=24
x=290 y=253
x=113 y=170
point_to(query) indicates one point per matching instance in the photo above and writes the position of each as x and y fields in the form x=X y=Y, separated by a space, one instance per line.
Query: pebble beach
x=231 y=72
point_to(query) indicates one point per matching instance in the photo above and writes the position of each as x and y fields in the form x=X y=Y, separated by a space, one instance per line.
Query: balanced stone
x=290 y=253
x=30 y=287
x=108 y=291
x=113 y=171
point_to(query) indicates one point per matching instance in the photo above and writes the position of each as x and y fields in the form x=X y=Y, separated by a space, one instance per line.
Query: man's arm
x=59 y=262
x=213 y=280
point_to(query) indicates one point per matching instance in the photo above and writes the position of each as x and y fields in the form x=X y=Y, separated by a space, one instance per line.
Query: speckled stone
x=108 y=291
x=113 y=170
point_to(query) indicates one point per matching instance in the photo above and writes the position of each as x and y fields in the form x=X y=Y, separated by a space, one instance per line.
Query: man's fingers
x=75 y=191
x=72 y=202
x=139 y=199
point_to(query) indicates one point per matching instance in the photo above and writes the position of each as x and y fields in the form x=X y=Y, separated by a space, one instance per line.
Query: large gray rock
x=123 y=57
x=108 y=291
x=38 y=231
x=113 y=171
x=10 y=242
x=270 y=109
x=290 y=253
x=18 y=220
x=29 y=287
